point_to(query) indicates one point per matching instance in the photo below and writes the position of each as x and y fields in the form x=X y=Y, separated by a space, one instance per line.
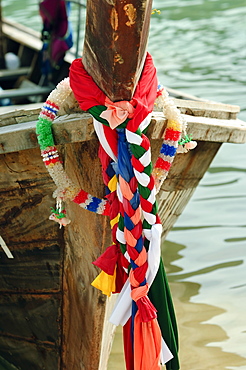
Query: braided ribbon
x=131 y=265
x=136 y=229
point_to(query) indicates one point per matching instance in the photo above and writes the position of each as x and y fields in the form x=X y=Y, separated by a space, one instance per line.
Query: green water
x=199 y=46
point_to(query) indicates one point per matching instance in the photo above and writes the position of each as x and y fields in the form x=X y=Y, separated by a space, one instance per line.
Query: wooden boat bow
x=48 y=307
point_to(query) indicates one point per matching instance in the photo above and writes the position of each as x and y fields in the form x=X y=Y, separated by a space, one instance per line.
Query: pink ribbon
x=117 y=112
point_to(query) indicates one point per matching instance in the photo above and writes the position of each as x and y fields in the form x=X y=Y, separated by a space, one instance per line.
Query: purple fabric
x=55 y=21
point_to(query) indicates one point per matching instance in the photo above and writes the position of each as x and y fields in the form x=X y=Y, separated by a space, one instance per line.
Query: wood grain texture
x=207 y=109
x=32 y=317
x=35 y=268
x=31 y=283
x=25 y=355
x=115 y=30
x=189 y=168
x=85 y=240
x=19 y=132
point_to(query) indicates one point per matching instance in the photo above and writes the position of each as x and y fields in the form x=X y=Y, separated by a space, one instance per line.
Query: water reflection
x=211 y=281
x=197 y=333
x=204 y=343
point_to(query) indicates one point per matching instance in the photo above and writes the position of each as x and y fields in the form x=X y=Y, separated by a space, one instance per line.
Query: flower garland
x=173 y=141
x=66 y=189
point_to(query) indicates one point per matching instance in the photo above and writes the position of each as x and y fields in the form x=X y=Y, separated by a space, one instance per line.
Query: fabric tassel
x=107 y=260
x=110 y=261
x=147 y=344
x=128 y=345
x=147 y=310
x=105 y=283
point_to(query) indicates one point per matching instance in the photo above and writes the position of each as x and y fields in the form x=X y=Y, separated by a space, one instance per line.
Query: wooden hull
x=51 y=317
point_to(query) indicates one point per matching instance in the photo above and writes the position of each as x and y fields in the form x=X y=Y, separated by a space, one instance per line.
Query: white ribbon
x=101 y=136
x=146 y=158
x=122 y=309
x=145 y=123
x=133 y=138
x=142 y=177
x=166 y=354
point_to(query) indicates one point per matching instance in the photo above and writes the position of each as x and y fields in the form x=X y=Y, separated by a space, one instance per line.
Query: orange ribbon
x=147 y=344
x=117 y=112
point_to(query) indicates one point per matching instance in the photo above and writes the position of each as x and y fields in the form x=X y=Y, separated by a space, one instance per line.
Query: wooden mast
x=115 y=44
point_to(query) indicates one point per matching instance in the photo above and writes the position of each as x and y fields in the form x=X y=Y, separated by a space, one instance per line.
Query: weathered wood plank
x=19 y=32
x=222 y=131
x=31 y=290
x=184 y=176
x=29 y=316
x=171 y=205
x=202 y=108
x=115 y=30
x=35 y=268
x=28 y=355
x=15 y=114
x=36 y=243
x=206 y=129
x=23 y=197
x=85 y=239
x=189 y=168
x=78 y=127
x=22 y=170
x=207 y=109
x=75 y=128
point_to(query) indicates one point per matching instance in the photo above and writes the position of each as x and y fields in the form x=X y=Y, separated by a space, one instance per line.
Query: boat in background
x=22 y=85
x=51 y=317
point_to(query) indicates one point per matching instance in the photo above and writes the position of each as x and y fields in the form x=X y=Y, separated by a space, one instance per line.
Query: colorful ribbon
x=132 y=265
x=136 y=228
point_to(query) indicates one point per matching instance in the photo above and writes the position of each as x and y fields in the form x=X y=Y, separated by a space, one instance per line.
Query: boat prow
x=51 y=316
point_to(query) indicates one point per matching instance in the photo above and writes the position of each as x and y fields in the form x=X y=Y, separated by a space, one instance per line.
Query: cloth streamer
x=132 y=265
